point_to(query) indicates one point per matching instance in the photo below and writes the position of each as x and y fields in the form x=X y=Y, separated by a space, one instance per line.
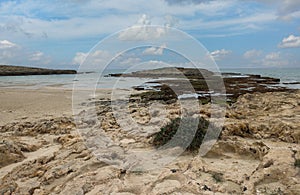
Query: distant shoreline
x=9 y=70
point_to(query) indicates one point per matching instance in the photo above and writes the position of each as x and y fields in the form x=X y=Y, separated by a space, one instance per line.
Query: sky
x=236 y=33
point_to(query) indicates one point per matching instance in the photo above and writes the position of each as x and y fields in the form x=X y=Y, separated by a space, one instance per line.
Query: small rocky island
x=182 y=79
x=7 y=70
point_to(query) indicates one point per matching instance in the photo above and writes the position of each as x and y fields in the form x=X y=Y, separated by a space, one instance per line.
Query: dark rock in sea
x=6 y=70
x=115 y=75
x=291 y=83
x=184 y=81
x=165 y=94
x=170 y=72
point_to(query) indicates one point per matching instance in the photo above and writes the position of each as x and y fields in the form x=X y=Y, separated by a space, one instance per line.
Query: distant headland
x=9 y=70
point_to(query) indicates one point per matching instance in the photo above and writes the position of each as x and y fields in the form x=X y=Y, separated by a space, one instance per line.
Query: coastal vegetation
x=182 y=129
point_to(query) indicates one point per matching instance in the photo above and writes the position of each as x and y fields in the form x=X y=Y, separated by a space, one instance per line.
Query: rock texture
x=202 y=84
x=255 y=154
x=6 y=70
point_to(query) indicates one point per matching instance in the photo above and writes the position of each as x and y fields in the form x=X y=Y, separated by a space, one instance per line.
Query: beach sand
x=31 y=104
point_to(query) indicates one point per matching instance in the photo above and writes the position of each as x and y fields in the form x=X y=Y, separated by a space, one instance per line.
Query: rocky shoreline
x=257 y=153
x=6 y=70
x=182 y=79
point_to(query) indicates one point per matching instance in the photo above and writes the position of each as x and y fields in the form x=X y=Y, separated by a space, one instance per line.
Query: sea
x=94 y=80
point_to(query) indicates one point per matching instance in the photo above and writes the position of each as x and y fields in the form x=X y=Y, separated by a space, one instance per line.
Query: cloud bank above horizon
x=247 y=33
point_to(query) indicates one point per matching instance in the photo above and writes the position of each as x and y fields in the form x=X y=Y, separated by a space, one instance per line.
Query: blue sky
x=237 y=33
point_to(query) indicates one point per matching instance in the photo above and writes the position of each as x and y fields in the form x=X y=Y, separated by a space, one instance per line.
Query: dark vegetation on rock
x=297 y=163
x=165 y=94
x=218 y=177
x=182 y=130
x=6 y=70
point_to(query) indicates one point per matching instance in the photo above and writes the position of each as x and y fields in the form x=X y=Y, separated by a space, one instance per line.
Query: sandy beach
x=32 y=104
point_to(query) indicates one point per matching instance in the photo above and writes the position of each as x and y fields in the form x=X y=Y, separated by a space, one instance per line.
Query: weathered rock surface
x=255 y=154
x=271 y=115
x=201 y=83
x=9 y=153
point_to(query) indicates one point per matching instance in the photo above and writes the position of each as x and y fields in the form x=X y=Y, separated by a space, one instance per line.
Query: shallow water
x=91 y=80
x=286 y=75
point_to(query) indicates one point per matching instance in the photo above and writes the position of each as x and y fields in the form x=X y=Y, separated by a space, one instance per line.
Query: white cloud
x=69 y=21
x=39 y=58
x=252 y=54
x=237 y=23
x=4 y=44
x=289 y=9
x=93 y=59
x=171 y=21
x=290 y=42
x=286 y=9
x=130 y=61
x=220 y=54
x=273 y=56
x=36 y=56
x=141 y=31
x=258 y=58
x=79 y=58
x=144 y=20
x=12 y=53
x=8 y=52
x=82 y=19
x=155 y=50
x=274 y=59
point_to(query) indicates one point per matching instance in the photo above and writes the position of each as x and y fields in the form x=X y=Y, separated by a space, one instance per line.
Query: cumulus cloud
x=36 y=56
x=274 y=59
x=252 y=54
x=220 y=54
x=130 y=61
x=290 y=42
x=12 y=53
x=48 y=20
x=258 y=58
x=4 y=44
x=93 y=59
x=141 y=31
x=273 y=56
x=155 y=50
x=79 y=58
x=144 y=20
x=171 y=21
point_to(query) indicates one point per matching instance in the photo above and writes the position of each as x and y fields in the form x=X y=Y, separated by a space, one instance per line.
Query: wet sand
x=19 y=104
x=31 y=104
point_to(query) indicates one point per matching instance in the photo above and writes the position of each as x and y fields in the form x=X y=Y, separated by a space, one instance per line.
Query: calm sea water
x=91 y=79
x=286 y=75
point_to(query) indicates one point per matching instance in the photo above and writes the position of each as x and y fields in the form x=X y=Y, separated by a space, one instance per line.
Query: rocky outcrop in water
x=191 y=82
